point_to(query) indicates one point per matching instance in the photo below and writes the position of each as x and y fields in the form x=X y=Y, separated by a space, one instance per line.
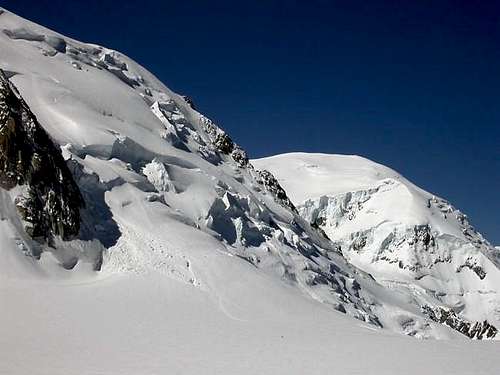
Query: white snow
x=203 y=271
x=372 y=212
x=138 y=324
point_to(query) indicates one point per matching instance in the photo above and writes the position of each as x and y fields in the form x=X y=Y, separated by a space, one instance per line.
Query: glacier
x=188 y=257
x=402 y=235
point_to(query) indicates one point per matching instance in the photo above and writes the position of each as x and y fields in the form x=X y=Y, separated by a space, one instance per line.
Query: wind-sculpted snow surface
x=403 y=236
x=180 y=237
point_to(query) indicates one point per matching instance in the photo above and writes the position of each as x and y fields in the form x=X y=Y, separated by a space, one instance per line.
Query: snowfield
x=402 y=235
x=189 y=260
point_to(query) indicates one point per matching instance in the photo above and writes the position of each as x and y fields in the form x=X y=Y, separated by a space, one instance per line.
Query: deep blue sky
x=414 y=85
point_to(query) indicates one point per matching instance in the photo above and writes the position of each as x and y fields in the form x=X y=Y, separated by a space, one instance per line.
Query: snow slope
x=205 y=266
x=394 y=230
x=152 y=324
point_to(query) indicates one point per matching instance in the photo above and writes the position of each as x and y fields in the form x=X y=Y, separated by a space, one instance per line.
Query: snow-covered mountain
x=402 y=235
x=150 y=244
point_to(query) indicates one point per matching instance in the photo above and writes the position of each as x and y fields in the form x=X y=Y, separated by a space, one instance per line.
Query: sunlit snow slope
x=188 y=260
x=397 y=232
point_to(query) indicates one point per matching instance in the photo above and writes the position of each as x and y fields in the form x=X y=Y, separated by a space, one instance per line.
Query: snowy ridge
x=136 y=148
x=203 y=256
x=394 y=230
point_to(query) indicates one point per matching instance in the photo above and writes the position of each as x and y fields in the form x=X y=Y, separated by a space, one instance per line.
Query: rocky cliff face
x=476 y=330
x=49 y=201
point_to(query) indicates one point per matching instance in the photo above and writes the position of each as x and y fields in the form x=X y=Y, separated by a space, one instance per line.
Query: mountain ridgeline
x=129 y=176
x=403 y=236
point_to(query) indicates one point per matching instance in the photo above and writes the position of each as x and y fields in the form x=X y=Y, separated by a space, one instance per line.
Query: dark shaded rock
x=223 y=143
x=477 y=269
x=422 y=237
x=359 y=243
x=51 y=206
x=189 y=101
x=318 y=228
x=240 y=156
x=272 y=185
x=474 y=267
x=476 y=330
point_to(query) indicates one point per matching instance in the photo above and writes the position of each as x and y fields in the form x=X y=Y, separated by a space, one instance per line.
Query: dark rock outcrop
x=50 y=204
x=476 y=330
x=477 y=269
x=224 y=144
x=272 y=185
x=240 y=157
x=189 y=101
x=422 y=237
